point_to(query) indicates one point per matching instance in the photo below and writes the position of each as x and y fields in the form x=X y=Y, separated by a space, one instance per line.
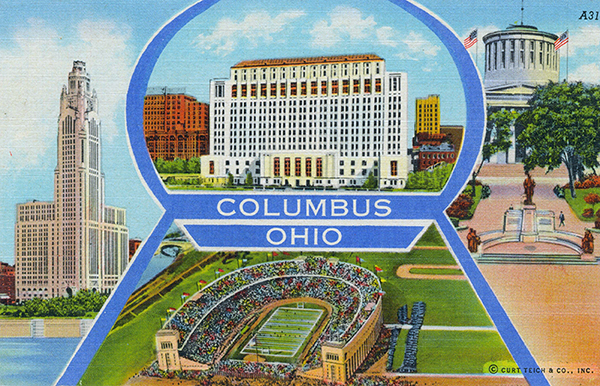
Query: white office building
x=320 y=121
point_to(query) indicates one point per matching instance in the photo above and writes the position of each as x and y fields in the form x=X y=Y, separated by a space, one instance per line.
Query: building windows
x=303 y=88
x=319 y=167
x=378 y=85
x=263 y=90
x=512 y=52
x=293 y=88
x=282 y=89
x=356 y=88
x=531 y=54
x=522 y=53
x=308 y=167
x=298 y=162
x=334 y=87
x=394 y=168
x=253 y=90
x=276 y=167
x=286 y=166
x=211 y=167
x=313 y=88
x=345 y=86
x=324 y=87
x=220 y=91
x=273 y=89
x=367 y=86
x=244 y=90
x=234 y=91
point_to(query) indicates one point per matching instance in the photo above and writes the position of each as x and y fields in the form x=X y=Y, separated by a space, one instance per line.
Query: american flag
x=561 y=41
x=471 y=39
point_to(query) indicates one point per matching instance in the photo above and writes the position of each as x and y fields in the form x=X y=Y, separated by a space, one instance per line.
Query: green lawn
x=400 y=347
x=431 y=238
x=476 y=199
x=285 y=332
x=459 y=352
x=436 y=271
x=449 y=302
x=578 y=204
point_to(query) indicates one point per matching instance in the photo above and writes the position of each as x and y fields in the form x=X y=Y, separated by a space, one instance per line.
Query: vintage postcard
x=303 y=192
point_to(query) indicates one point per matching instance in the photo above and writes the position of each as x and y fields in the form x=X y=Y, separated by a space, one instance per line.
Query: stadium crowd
x=210 y=334
x=205 y=323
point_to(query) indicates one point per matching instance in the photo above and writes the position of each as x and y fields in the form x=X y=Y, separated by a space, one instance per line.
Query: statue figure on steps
x=587 y=243
x=528 y=185
x=473 y=240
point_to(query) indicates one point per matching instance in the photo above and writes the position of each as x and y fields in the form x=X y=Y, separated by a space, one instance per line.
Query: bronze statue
x=473 y=240
x=587 y=243
x=528 y=185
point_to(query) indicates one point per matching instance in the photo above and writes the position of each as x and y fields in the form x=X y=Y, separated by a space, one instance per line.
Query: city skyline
x=38 y=45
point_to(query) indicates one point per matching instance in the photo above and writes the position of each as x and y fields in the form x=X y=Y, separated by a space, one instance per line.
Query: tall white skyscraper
x=76 y=241
x=315 y=121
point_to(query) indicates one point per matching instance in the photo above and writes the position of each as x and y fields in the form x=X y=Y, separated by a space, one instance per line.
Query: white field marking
x=296 y=342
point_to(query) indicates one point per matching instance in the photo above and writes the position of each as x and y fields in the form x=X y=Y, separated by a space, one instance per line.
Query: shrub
x=592 y=198
x=588 y=213
x=559 y=191
x=460 y=207
x=485 y=191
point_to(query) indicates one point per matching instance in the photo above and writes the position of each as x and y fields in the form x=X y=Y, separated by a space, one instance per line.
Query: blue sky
x=39 y=41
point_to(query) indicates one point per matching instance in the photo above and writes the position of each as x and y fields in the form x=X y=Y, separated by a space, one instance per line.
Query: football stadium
x=277 y=318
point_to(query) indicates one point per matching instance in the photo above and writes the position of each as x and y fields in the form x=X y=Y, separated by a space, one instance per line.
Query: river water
x=34 y=361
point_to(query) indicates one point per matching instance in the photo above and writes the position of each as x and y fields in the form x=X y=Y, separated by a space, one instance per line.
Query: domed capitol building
x=517 y=60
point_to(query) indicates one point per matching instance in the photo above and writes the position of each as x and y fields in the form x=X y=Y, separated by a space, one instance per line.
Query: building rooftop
x=520 y=28
x=310 y=60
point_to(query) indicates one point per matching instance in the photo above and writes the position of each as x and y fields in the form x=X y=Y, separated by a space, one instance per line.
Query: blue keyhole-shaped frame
x=190 y=205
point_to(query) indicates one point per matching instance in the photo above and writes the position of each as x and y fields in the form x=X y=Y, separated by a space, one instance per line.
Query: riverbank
x=44 y=328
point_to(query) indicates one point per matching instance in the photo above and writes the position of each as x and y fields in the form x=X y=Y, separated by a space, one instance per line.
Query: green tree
x=230 y=179
x=497 y=138
x=562 y=127
x=178 y=166
x=159 y=164
x=371 y=182
x=193 y=165
x=249 y=179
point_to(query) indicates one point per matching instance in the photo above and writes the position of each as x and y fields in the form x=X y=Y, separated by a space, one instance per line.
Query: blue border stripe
x=509 y=334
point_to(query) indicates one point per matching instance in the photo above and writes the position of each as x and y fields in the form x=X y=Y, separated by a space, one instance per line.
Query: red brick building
x=432 y=149
x=431 y=155
x=134 y=244
x=7 y=283
x=175 y=125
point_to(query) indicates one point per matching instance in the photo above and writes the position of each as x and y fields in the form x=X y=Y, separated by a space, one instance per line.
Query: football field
x=284 y=333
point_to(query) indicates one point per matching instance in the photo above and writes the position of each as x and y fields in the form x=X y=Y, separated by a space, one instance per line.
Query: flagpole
x=477 y=52
x=567 y=56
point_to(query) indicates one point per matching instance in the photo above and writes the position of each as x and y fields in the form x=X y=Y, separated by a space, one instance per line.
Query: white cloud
x=417 y=43
x=589 y=73
x=344 y=23
x=256 y=27
x=585 y=37
x=34 y=65
x=387 y=36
